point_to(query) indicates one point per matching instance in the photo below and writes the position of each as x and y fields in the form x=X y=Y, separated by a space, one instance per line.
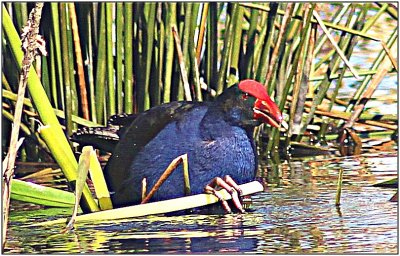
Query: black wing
x=104 y=138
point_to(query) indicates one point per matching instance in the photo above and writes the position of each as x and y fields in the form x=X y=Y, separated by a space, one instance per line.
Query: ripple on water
x=295 y=216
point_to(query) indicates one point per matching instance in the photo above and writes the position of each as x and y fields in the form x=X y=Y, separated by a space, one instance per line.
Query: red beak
x=264 y=108
x=267 y=111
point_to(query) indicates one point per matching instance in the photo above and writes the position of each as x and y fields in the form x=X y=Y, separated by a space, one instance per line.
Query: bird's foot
x=229 y=185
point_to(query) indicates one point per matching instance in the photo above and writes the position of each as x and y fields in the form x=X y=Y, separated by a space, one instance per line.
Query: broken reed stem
x=390 y=55
x=335 y=45
x=358 y=109
x=83 y=169
x=362 y=34
x=6 y=159
x=31 y=42
x=170 y=169
x=339 y=187
x=184 y=75
x=346 y=116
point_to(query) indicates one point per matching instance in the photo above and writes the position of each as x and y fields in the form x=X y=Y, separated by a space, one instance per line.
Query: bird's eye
x=245 y=96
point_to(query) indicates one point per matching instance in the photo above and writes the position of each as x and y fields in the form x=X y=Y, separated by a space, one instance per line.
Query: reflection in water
x=295 y=214
x=234 y=241
x=202 y=233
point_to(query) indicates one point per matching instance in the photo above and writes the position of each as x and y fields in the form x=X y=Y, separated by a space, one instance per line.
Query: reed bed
x=107 y=58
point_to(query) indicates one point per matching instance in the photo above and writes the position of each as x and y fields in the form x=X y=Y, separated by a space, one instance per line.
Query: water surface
x=295 y=214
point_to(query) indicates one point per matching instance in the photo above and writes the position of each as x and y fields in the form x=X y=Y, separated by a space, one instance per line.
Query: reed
x=30 y=36
x=55 y=138
x=108 y=58
x=128 y=57
x=111 y=105
x=101 y=75
x=339 y=187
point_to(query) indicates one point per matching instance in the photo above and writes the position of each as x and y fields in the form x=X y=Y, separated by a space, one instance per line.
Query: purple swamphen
x=216 y=136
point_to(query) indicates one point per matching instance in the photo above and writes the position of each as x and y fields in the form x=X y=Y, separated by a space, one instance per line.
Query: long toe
x=233 y=184
x=218 y=182
x=210 y=190
x=236 y=200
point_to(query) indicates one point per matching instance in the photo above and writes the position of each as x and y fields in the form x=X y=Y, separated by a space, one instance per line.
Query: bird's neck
x=213 y=125
x=218 y=123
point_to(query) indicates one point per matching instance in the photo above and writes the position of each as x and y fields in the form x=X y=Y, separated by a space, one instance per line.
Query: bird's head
x=249 y=104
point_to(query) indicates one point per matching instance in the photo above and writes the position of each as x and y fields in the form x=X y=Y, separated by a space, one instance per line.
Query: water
x=295 y=214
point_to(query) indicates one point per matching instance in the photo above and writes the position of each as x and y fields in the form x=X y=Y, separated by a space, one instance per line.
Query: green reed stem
x=300 y=85
x=101 y=66
x=160 y=65
x=144 y=99
x=227 y=49
x=273 y=144
x=46 y=76
x=212 y=47
x=251 y=42
x=128 y=52
x=258 y=49
x=237 y=37
x=111 y=105
x=192 y=52
x=21 y=14
x=339 y=187
x=4 y=82
x=169 y=48
x=66 y=68
x=71 y=62
x=119 y=55
x=90 y=66
x=265 y=57
x=53 y=77
x=59 y=59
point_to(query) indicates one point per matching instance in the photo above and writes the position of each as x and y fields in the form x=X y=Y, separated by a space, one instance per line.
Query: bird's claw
x=210 y=190
x=229 y=185
x=232 y=183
